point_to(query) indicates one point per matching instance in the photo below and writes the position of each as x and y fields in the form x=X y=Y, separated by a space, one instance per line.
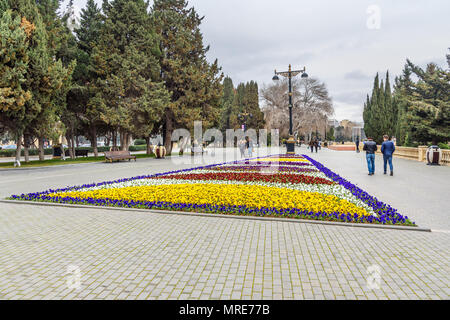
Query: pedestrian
x=387 y=149
x=357 y=144
x=320 y=144
x=370 y=147
x=249 y=145
x=316 y=144
x=241 y=146
x=311 y=145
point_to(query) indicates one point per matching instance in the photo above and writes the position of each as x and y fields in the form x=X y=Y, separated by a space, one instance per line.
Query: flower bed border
x=223 y=216
x=389 y=217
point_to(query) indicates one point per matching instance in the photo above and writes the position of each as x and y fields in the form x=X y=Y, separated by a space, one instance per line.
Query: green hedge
x=138 y=148
x=35 y=152
x=140 y=142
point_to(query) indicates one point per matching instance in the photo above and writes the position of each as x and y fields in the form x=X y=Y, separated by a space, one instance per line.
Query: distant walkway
x=419 y=191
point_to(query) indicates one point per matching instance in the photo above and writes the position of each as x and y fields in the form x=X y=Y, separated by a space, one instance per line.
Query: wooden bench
x=118 y=155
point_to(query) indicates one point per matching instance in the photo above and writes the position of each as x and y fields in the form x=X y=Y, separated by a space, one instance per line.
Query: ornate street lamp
x=243 y=117
x=290 y=144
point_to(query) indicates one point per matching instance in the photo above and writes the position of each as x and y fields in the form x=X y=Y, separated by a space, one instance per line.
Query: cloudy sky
x=343 y=43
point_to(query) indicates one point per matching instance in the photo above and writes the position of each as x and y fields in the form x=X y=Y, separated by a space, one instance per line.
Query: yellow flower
x=252 y=196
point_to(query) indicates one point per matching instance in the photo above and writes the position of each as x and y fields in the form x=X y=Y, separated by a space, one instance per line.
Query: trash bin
x=434 y=155
x=57 y=151
x=160 y=152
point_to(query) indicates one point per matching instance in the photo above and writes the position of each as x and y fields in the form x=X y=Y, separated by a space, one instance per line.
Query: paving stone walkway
x=70 y=253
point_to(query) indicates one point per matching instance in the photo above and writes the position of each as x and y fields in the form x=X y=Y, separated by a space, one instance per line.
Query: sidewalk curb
x=328 y=223
x=61 y=165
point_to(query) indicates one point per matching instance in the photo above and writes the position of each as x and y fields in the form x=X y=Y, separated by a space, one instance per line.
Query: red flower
x=247 y=176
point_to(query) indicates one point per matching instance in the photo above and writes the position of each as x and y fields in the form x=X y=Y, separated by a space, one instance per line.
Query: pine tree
x=238 y=107
x=89 y=29
x=379 y=111
x=126 y=59
x=251 y=106
x=194 y=84
x=428 y=115
x=367 y=117
x=389 y=109
x=85 y=118
x=16 y=32
x=47 y=122
x=402 y=89
x=45 y=78
x=226 y=104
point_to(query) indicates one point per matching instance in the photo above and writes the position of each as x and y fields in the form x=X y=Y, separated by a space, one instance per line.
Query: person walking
x=316 y=144
x=249 y=145
x=370 y=147
x=357 y=144
x=387 y=149
x=241 y=145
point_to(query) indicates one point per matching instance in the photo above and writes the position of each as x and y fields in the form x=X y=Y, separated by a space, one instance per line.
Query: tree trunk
x=73 y=145
x=70 y=142
x=168 y=128
x=94 y=140
x=26 y=145
x=149 y=149
x=63 y=152
x=41 y=148
x=121 y=139
x=114 y=137
x=124 y=140
x=18 y=146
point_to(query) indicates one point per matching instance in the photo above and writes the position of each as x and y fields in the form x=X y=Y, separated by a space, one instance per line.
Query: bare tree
x=311 y=106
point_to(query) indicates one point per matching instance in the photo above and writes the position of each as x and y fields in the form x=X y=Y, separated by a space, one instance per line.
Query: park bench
x=118 y=155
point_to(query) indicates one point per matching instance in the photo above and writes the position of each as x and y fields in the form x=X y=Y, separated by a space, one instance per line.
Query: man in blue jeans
x=387 y=149
x=370 y=147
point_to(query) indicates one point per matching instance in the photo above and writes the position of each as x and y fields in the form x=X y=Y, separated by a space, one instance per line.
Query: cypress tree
x=47 y=121
x=367 y=117
x=252 y=106
x=194 y=84
x=226 y=104
x=16 y=32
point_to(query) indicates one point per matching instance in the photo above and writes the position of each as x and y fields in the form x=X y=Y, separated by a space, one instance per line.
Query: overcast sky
x=343 y=43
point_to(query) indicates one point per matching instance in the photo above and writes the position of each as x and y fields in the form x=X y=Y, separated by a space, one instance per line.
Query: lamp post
x=290 y=144
x=244 y=116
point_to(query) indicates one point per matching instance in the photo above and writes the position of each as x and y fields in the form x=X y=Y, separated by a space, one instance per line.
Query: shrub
x=139 y=142
x=138 y=148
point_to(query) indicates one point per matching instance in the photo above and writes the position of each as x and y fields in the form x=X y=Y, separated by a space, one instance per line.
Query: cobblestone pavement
x=134 y=255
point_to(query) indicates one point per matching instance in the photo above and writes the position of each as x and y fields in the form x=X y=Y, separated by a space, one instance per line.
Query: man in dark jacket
x=370 y=147
x=387 y=149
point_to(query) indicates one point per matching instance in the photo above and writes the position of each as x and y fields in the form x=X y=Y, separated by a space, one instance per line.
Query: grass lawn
x=56 y=162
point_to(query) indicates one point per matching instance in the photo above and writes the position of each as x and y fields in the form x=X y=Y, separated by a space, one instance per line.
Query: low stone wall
x=418 y=154
x=342 y=147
